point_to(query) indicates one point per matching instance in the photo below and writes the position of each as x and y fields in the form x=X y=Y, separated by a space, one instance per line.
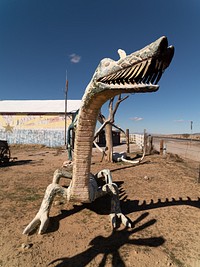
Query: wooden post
x=149 y=144
x=161 y=147
x=127 y=141
x=145 y=141
x=198 y=179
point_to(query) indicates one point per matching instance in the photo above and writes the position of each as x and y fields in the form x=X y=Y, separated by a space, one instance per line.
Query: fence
x=137 y=139
x=185 y=148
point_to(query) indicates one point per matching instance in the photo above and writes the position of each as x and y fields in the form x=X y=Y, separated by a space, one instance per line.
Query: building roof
x=38 y=107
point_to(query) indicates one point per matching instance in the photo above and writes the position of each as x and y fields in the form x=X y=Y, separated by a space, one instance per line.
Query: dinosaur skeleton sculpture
x=135 y=73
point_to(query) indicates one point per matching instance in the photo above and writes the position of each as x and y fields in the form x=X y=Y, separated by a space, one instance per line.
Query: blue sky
x=41 y=39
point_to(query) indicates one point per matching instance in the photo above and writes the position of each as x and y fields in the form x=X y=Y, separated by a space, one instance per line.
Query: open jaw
x=139 y=73
x=145 y=73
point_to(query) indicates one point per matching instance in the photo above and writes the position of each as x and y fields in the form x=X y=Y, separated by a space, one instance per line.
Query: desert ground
x=160 y=196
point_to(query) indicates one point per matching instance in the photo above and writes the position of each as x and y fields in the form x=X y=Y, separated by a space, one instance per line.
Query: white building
x=36 y=121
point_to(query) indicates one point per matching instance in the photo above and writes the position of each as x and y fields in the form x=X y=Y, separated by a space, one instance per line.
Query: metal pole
x=66 y=91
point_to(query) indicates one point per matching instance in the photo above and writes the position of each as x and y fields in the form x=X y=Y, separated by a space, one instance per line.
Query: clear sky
x=41 y=39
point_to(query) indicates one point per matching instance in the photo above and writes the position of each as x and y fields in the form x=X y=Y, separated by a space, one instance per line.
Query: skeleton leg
x=42 y=217
x=112 y=189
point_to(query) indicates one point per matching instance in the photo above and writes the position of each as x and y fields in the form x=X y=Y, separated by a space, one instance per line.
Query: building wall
x=101 y=139
x=31 y=129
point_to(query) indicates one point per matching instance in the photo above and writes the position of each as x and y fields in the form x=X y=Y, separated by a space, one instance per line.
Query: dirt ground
x=160 y=196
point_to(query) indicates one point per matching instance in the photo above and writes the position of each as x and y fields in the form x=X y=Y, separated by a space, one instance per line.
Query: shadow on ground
x=16 y=163
x=109 y=246
x=102 y=206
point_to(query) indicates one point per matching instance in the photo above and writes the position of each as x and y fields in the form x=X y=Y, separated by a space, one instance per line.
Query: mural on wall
x=30 y=129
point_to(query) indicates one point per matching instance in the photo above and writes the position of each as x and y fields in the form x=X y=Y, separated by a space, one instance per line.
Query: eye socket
x=107 y=64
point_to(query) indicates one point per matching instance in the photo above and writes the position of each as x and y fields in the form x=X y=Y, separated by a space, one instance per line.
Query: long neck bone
x=83 y=144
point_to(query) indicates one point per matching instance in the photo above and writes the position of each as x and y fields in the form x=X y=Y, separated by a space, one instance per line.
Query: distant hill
x=194 y=136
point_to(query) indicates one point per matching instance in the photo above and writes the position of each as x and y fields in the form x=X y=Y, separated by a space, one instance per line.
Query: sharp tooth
x=126 y=72
x=149 y=78
x=157 y=64
x=126 y=83
x=131 y=71
x=116 y=74
x=109 y=77
x=103 y=79
x=117 y=81
x=141 y=83
x=140 y=70
x=150 y=70
x=133 y=74
x=146 y=68
x=158 y=77
x=140 y=74
x=119 y=74
x=160 y=66
x=154 y=77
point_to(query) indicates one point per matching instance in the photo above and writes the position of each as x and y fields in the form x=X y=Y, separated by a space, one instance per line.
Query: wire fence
x=186 y=148
x=189 y=149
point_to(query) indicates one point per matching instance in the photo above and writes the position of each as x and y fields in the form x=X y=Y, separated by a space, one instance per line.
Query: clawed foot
x=41 y=220
x=123 y=219
x=111 y=188
x=42 y=217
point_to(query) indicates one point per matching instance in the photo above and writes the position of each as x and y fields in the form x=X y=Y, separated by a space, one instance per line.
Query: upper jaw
x=139 y=71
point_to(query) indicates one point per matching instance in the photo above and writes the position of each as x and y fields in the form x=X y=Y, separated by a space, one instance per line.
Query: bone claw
x=42 y=220
x=124 y=220
x=31 y=226
x=113 y=220
x=43 y=226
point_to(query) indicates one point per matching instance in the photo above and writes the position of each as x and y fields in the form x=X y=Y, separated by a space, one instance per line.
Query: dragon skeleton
x=138 y=72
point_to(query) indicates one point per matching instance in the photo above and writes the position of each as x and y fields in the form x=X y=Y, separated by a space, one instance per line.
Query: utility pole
x=191 y=126
x=66 y=91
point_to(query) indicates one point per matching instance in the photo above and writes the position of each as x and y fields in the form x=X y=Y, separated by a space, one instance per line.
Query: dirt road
x=185 y=148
